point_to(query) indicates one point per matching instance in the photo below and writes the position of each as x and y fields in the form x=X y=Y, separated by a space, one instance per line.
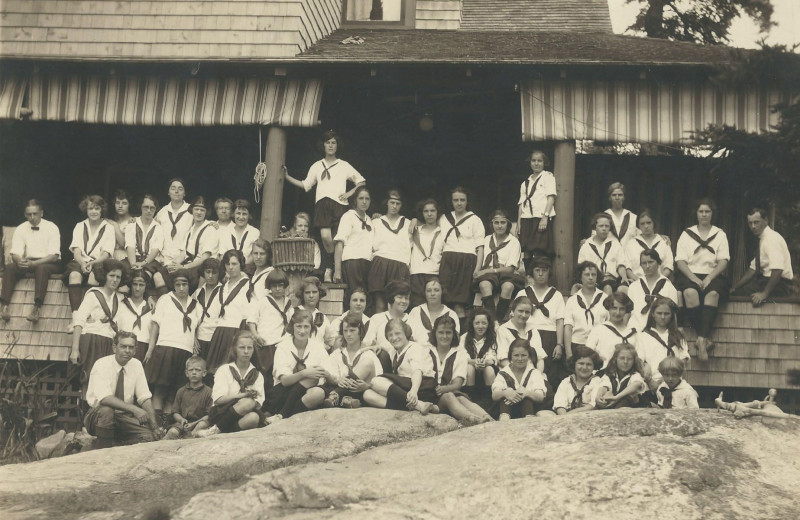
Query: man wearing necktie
x=116 y=384
x=770 y=271
x=35 y=248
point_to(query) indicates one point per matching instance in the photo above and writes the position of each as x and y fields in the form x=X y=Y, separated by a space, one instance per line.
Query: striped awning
x=12 y=92
x=639 y=111
x=164 y=101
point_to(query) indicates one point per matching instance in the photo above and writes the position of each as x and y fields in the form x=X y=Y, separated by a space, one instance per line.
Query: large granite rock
x=626 y=464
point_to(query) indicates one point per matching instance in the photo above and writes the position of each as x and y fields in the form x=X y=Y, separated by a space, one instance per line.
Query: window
x=380 y=11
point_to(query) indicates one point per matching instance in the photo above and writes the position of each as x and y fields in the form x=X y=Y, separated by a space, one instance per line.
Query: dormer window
x=373 y=12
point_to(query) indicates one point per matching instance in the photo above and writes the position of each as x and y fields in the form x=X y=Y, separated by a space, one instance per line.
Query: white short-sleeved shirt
x=584 y=315
x=470 y=233
x=93 y=242
x=608 y=256
x=699 y=259
x=225 y=384
x=566 y=393
x=340 y=362
x=774 y=254
x=144 y=240
x=287 y=358
x=392 y=241
x=39 y=243
x=488 y=353
x=623 y=228
x=553 y=302
x=533 y=193
x=233 y=297
x=501 y=254
x=335 y=185
x=178 y=221
x=208 y=302
x=604 y=337
x=421 y=322
x=324 y=332
x=229 y=238
x=169 y=316
x=258 y=284
x=608 y=382
x=454 y=365
x=204 y=239
x=414 y=357
x=426 y=250
x=356 y=236
x=652 y=351
x=532 y=379
x=376 y=335
x=635 y=246
x=683 y=396
x=135 y=318
x=103 y=381
x=271 y=317
x=93 y=318
x=638 y=291
x=507 y=333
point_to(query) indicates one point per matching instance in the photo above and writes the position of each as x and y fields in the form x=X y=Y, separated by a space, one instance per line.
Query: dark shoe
x=33 y=317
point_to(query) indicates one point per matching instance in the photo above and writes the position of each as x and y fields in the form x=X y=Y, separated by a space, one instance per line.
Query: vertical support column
x=272 y=195
x=564 y=228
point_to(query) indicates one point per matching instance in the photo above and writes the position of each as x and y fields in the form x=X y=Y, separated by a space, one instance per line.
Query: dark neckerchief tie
x=626 y=221
x=702 y=244
x=455 y=225
x=142 y=250
x=326 y=174
x=517 y=335
x=644 y=245
x=435 y=361
x=399 y=225
x=205 y=303
x=251 y=288
x=473 y=351
x=350 y=373
x=606 y=249
x=577 y=401
x=624 y=338
x=319 y=318
x=529 y=194
x=540 y=305
x=174 y=221
x=398 y=360
x=192 y=256
x=425 y=319
x=364 y=224
x=415 y=237
x=137 y=323
x=187 y=320
x=109 y=314
x=493 y=258
x=284 y=313
x=240 y=245
x=249 y=378
x=618 y=384
x=119 y=391
x=757 y=258
x=588 y=310
x=234 y=292
x=650 y=297
x=670 y=348
x=666 y=393
x=300 y=364
x=89 y=250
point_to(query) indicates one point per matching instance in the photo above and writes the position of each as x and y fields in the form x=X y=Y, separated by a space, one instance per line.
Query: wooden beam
x=564 y=170
x=272 y=194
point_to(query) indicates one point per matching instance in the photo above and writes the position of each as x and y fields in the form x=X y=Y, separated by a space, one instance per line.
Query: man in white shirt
x=770 y=271
x=35 y=248
x=117 y=383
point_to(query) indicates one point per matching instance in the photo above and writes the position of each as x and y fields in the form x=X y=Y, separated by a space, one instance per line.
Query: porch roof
x=507 y=47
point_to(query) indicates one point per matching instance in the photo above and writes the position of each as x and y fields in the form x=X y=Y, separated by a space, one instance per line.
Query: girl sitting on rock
x=481 y=345
x=576 y=393
x=623 y=381
x=519 y=388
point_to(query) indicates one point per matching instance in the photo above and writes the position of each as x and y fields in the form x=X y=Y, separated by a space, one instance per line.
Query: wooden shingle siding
x=438 y=14
x=164 y=29
x=536 y=15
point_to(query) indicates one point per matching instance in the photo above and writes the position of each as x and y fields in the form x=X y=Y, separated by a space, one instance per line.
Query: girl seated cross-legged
x=411 y=384
x=519 y=388
x=481 y=345
x=576 y=393
x=450 y=367
x=299 y=370
x=623 y=382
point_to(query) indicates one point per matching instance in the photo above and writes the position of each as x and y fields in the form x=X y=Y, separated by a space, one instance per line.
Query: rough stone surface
x=319 y=436
x=625 y=464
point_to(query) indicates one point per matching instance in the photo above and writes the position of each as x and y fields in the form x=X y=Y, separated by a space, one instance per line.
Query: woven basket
x=293 y=254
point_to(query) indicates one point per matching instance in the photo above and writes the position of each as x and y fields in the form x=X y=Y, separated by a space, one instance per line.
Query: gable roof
x=536 y=15
x=508 y=47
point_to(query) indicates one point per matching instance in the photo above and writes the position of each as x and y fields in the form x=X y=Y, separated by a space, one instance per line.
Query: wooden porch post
x=272 y=195
x=564 y=170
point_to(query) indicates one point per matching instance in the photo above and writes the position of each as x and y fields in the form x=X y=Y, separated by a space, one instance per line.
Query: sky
x=744 y=33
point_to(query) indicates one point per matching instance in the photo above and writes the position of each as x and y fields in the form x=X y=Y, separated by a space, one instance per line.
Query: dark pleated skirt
x=426 y=391
x=382 y=271
x=719 y=284
x=219 y=348
x=91 y=348
x=556 y=370
x=535 y=242
x=167 y=366
x=141 y=350
x=455 y=273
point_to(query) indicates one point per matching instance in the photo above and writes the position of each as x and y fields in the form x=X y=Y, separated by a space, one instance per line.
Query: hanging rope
x=261 y=171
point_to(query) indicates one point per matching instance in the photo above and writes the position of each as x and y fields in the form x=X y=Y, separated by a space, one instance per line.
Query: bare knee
x=313 y=397
x=245 y=405
x=486 y=288
x=691 y=298
x=711 y=299
x=158 y=280
x=75 y=278
x=506 y=290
